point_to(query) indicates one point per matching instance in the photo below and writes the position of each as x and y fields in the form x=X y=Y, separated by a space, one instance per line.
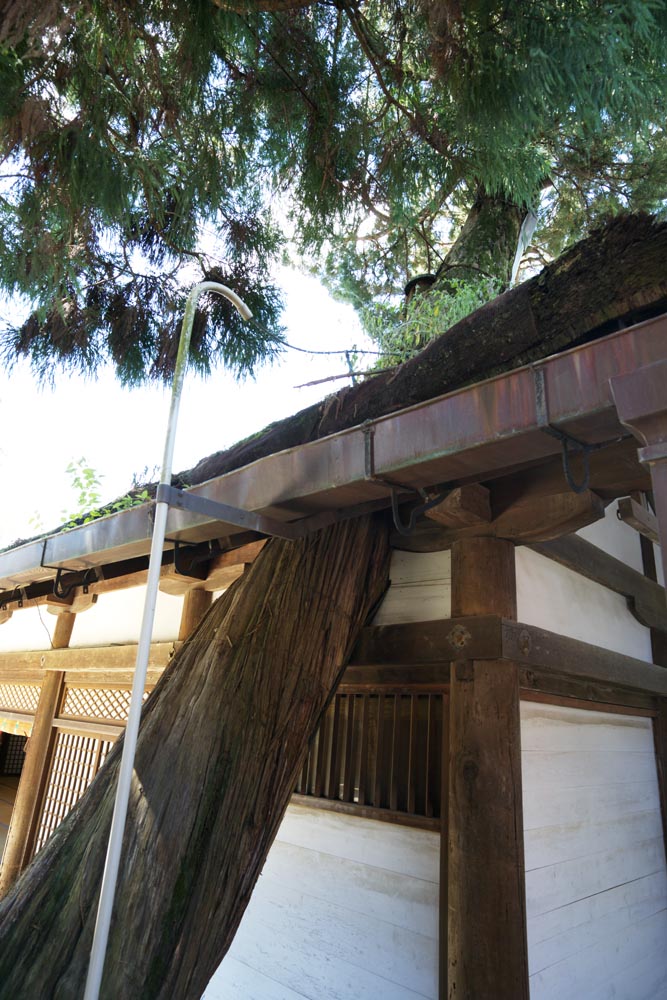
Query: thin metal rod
x=112 y=864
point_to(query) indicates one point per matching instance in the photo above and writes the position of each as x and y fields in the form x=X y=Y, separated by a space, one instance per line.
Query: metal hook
x=570 y=445
x=59 y=590
x=408 y=529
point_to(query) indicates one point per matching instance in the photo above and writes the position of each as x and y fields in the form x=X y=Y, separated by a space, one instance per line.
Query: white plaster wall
x=345 y=909
x=553 y=597
x=116 y=618
x=615 y=537
x=596 y=884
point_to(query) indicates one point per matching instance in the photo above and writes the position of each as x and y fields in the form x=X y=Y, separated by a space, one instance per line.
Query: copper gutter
x=475 y=433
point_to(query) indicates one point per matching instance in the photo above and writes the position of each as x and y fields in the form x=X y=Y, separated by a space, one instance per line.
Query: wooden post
x=33 y=780
x=195 y=605
x=483 y=578
x=486 y=903
x=660 y=742
x=62 y=633
x=39 y=751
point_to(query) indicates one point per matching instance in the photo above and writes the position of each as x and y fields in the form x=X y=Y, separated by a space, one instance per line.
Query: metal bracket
x=63 y=592
x=5 y=600
x=368 y=429
x=290 y=530
x=569 y=444
x=408 y=529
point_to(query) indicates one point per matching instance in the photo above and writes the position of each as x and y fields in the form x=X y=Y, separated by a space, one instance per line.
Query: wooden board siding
x=596 y=884
x=420 y=588
x=345 y=908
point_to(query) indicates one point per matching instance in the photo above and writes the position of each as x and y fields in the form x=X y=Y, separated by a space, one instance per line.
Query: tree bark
x=486 y=245
x=221 y=740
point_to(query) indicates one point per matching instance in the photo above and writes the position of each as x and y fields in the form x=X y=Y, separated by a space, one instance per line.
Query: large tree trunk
x=219 y=748
x=486 y=246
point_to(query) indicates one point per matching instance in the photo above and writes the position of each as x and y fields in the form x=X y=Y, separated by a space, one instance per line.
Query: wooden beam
x=74 y=603
x=536 y=647
x=534 y=681
x=477 y=636
x=486 y=895
x=228 y=566
x=640 y=518
x=614 y=471
x=646 y=599
x=101 y=730
x=195 y=605
x=368 y=812
x=31 y=788
x=100 y=662
x=528 y=519
x=399 y=677
x=466 y=506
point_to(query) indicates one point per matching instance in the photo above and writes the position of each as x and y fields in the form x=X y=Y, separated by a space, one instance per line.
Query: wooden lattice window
x=76 y=760
x=19 y=697
x=12 y=754
x=100 y=704
x=378 y=749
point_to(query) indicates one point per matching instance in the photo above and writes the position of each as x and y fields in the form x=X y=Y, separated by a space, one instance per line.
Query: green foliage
x=401 y=332
x=87 y=482
x=150 y=145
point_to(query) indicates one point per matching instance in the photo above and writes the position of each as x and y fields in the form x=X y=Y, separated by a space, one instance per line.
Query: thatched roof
x=612 y=279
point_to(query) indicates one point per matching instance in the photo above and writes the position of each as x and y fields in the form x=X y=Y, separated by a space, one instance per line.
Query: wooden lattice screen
x=378 y=749
x=19 y=697
x=12 y=754
x=101 y=704
x=76 y=760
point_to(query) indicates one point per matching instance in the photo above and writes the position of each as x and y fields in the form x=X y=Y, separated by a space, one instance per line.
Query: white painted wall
x=345 y=909
x=596 y=885
x=421 y=588
x=116 y=618
x=555 y=598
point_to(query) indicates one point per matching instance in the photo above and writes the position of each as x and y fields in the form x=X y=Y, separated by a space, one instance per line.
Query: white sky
x=120 y=431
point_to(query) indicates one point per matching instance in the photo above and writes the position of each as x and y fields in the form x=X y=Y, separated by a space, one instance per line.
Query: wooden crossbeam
x=421 y=646
x=646 y=599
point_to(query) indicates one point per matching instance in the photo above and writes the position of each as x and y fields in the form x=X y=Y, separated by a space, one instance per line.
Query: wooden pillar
x=39 y=751
x=486 y=901
x=21 y=833
x=62 y=633
x=195 y=605
x=660 y=743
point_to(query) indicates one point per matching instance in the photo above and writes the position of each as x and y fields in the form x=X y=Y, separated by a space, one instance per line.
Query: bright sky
x=121 y=431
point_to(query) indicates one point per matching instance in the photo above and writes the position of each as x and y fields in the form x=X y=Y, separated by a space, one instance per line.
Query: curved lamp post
x=110 y=875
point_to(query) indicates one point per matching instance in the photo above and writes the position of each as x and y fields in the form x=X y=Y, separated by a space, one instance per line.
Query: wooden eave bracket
x=641 y=403
x=638 y=517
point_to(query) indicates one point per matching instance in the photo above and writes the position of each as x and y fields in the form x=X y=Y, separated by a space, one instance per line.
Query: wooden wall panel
x=345 y=907
x=420 y=588
x=596 y=883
